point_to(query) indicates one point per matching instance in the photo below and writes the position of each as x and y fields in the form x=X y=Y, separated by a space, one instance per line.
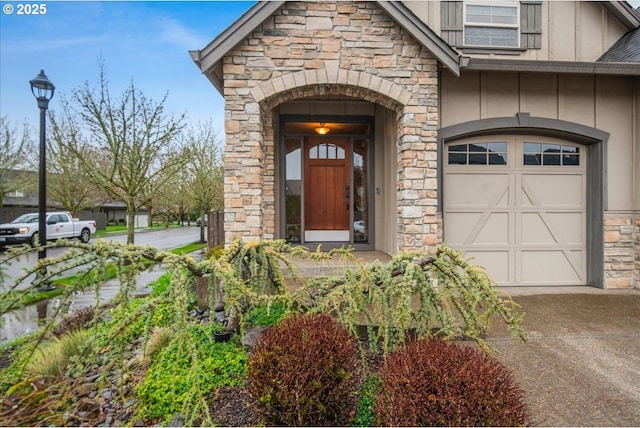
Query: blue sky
x=144 y=42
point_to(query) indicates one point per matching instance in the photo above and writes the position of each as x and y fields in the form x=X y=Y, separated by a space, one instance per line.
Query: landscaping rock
x=252 y=336
x=177 y=420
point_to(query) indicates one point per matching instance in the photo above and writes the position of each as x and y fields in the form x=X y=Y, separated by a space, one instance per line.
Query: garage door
x=517 y=206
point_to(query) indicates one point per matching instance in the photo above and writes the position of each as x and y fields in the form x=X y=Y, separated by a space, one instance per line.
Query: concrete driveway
x=581 y=363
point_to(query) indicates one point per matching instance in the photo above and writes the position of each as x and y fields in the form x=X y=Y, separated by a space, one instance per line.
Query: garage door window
x=550 y=154
x=478 y=154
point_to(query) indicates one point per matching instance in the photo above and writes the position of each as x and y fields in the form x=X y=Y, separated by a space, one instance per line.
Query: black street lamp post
x=42 y=89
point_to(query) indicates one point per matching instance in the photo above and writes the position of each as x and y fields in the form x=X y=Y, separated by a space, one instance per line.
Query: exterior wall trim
x=595 y=140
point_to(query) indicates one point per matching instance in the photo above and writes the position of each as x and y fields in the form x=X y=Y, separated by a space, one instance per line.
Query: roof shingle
x=627 y=49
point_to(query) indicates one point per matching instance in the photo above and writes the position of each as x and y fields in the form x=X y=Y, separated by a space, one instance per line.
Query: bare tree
x=166 y=200
x=133 y=147
x=68 y=181
x=173 y=198
x=17 y=159
x=205 y=171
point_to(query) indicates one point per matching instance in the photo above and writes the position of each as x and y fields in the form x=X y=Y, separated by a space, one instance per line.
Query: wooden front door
x=326 y=184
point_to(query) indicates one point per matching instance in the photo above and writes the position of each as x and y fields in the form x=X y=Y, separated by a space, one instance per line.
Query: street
x=161 y=239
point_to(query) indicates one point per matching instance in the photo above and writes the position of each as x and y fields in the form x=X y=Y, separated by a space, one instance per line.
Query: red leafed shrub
x=438 y=383
x=305 y=371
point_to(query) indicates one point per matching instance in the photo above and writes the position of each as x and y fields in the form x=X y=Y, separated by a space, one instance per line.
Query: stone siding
x=339 y=49
x=622 y=250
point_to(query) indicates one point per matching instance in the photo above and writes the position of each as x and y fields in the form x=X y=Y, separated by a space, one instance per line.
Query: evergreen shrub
x=305 y=371
x=439 y=383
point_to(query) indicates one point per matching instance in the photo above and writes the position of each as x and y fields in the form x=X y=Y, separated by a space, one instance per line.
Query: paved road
x=162 y=239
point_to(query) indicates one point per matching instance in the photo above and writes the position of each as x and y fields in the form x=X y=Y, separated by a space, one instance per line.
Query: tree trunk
x=131 y=224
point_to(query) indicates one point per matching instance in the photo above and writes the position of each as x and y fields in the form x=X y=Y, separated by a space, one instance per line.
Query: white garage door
x=517 y=206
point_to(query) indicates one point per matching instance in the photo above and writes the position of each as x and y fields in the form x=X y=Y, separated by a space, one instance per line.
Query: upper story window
x=494 y=24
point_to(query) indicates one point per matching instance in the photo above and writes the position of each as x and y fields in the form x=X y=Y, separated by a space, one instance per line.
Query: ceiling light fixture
x=322 y=130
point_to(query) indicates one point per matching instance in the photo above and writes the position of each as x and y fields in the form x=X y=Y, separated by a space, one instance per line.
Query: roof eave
x=562 y=67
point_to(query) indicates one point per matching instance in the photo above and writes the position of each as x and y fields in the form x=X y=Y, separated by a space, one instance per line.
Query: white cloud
x=172 y=31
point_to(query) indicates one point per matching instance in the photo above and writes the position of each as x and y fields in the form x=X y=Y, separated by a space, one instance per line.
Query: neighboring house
x=508 y=130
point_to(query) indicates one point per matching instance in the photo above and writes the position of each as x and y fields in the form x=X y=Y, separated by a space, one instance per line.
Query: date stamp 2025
x=24 y=8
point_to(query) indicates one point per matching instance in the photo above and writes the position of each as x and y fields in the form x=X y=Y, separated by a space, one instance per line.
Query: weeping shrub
x=304 y=371
x=439 y=383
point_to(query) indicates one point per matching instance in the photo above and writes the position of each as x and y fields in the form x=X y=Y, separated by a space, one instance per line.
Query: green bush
x=304 y=371
x=365 y=414
x=134 y=319
x=438 y=383
x=265 y=315
x=189 y=367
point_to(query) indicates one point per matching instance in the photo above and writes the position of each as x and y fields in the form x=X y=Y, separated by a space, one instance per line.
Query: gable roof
x=209 y=59
x=627 y=49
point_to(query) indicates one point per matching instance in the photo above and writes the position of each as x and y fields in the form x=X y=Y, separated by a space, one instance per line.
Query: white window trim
x=516 y=26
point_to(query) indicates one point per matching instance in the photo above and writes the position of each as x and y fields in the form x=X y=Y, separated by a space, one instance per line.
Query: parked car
x=199 y=220
x=60 y=225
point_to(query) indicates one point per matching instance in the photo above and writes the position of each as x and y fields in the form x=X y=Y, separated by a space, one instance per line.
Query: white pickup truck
x=60 y=225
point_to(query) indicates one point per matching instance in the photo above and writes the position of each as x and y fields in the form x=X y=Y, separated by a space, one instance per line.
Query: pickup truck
x=60 y=225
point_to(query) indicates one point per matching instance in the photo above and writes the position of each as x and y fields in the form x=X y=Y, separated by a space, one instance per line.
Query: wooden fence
x=215 y=229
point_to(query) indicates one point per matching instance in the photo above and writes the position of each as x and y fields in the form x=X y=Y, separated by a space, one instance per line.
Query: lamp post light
x=42 y=89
